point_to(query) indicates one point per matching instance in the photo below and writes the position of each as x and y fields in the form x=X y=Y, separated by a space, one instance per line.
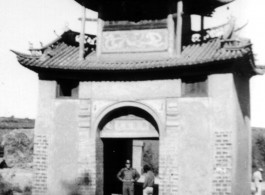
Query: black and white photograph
x=132 y=97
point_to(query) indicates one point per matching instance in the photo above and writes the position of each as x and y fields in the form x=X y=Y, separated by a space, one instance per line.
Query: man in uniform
x=128 y=176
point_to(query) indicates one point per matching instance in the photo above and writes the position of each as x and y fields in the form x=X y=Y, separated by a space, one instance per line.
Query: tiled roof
x=65 y=56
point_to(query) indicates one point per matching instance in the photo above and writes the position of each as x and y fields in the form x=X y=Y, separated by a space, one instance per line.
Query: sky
x=34 y=21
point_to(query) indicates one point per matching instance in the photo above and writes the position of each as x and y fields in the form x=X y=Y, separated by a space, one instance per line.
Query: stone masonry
x=168 y=166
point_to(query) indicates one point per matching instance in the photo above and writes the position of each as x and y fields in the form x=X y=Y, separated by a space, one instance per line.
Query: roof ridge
x=23 y=54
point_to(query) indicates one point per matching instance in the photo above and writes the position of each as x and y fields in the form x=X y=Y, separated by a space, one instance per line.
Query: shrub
x=258 y=148
x=5 y=187
x=18 y=149
x=150 y=155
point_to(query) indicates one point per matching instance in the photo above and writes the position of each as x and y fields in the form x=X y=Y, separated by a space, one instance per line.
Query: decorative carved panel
x=135 y=41
x=169 y=150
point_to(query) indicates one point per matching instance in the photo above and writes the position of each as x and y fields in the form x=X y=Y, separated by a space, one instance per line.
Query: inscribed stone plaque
x=135 y=41
x=129 y=126
x=40 y=164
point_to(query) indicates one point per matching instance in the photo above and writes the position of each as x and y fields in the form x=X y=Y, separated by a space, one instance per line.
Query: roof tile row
x=65 y=56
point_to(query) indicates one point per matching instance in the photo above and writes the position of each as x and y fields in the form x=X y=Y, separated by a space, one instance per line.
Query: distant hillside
x=16 y=123
x=8 y=124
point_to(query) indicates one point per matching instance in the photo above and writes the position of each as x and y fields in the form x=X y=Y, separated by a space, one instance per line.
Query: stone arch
x=99 y=141
x=118 y=105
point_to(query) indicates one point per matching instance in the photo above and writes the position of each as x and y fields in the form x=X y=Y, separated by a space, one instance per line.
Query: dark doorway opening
x=116 y=151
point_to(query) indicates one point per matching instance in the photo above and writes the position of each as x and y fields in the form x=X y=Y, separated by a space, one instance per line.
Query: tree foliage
x=18 y=149
x=258 y=149
x=150 y=155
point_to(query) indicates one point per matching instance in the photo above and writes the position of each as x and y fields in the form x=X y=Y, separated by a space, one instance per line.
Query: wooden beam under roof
x=200 y=7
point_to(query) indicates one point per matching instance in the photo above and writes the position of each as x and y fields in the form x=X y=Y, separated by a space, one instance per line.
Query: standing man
x=257 y=178
x=148 y=181
x=128 y=176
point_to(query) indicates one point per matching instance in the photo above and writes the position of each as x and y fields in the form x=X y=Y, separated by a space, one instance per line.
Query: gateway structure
x=145 y=76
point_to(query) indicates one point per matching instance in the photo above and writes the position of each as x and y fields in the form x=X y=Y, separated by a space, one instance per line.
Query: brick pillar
x=99 y=166
x=222 y=174
x=168 y=161
x=86 y=156
x=44 y=127
x=40 y=162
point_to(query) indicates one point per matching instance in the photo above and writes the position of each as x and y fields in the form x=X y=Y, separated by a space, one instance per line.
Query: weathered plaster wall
x=44 y=122
x=44 y=128
x=169 y=149
x=130 y=90
x=64 y=147
x=196 y=135
x=195 y=147
x=242 y=156
x=86 y=149
x=223 y=126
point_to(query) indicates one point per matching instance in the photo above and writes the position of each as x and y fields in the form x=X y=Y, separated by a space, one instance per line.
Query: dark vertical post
x=202 y=27
x=82 y=33
x=179 y=27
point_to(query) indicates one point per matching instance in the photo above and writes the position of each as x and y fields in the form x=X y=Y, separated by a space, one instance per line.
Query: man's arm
x=119 y=175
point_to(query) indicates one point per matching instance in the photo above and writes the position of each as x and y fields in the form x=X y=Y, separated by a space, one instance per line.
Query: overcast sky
x=35 y=21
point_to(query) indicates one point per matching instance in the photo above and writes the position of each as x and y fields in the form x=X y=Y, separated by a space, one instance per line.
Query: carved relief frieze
x=129 y=126
x=135 y=41
x=172 y=115
x=84 y=143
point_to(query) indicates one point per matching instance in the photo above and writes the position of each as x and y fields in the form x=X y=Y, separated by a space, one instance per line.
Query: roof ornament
x=41 y=44
x=33 y=51
x=30 y=45
x=240 y=28
x=82 y=33
x=225 y=31
x=228 y=34
x=56 y=34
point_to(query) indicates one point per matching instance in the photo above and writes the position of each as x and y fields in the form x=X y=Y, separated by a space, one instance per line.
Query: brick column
x=168 y=161
x=86 y=156
x=222 y=162
x=44 y=127
x=40 y=162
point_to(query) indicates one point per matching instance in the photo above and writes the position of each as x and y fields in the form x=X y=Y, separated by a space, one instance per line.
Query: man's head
x=128 y=163
x=146 y=168
x=260 y=169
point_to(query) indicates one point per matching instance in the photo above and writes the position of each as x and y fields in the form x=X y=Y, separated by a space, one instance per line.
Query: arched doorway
x=126 y=132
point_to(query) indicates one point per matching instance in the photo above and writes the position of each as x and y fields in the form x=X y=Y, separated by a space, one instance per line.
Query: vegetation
x=18 y=149
x=151 y=155
x=7 y=188
x=16 y=123
x=258 y=148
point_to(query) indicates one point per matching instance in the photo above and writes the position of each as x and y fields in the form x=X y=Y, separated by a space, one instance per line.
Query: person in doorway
x=148 y=181
x=128 y=176
x=257 y=179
